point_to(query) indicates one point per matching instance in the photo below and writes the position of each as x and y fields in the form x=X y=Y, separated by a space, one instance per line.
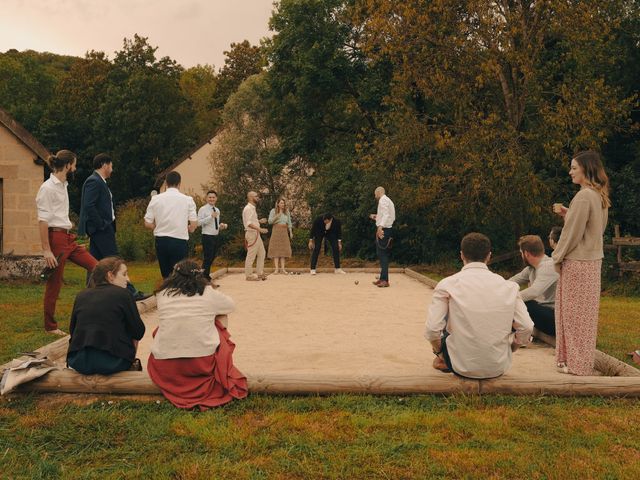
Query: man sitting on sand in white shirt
x=472 y=315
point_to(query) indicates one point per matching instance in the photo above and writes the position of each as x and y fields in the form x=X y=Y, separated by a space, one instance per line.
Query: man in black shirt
x=330 y=229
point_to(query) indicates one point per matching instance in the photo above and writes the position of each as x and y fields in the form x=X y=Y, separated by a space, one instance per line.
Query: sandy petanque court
x=304 y=324
x=328 y=332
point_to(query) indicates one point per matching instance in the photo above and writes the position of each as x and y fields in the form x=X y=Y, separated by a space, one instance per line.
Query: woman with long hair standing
x=191 y=355
x=281 y=233
x=578 y=257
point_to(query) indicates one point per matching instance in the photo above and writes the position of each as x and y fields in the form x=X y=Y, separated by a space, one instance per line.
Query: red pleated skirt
x=202 y=382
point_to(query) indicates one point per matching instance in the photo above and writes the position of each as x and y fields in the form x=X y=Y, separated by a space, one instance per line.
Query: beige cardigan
x=584 y=224
x=186 y=324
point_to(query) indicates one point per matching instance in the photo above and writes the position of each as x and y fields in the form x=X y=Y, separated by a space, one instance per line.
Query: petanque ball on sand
x=356 y=282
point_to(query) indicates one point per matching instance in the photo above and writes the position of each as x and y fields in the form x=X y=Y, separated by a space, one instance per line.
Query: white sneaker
x=312 y=272
x=340 y=271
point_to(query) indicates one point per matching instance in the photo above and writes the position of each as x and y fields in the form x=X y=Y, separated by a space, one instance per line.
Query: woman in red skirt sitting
x=191 y=356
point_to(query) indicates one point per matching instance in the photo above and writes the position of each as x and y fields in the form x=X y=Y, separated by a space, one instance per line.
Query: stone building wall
x=21 y=179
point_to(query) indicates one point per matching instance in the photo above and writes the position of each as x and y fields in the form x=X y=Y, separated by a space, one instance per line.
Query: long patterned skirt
x=577 y=309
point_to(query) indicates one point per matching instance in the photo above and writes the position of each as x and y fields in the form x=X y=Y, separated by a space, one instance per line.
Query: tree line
x=467 y=112
x=145 y=111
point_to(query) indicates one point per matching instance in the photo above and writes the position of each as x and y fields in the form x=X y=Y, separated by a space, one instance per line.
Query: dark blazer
x=318 y=230
x=106 y=317
x=95 y=206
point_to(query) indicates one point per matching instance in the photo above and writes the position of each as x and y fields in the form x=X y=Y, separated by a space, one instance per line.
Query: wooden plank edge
x=69 y=381
x=134 y=383
x=221 y=272
x=421 y=278
x=568 y=386
x=625 y=241
x=307 y=384
x=606 y=364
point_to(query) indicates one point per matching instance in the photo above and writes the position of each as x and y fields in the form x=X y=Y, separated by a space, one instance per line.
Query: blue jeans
x=383 y=250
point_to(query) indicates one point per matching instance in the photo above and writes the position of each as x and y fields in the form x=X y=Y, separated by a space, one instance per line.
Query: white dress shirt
x=52 y=202
x=249 y=216
x=186 y=327
x=541 y=282
x=386 y=214
x=206 y=221
x=478 y=308
x=171 y=211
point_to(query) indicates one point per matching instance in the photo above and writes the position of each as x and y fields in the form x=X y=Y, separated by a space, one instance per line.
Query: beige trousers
x=255 y=249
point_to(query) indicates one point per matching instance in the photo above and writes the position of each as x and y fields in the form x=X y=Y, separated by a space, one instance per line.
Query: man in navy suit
x=97 y=215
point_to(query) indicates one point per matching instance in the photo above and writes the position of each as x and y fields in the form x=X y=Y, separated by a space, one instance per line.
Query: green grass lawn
x=342 y=436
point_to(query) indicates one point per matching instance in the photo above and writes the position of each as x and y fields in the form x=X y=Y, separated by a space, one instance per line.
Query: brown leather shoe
x=383 y=284
x=376 y=282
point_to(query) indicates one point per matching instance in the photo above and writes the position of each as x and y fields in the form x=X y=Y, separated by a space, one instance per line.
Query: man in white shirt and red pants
x=472 y=316
x=384 y=218
x=58 y=243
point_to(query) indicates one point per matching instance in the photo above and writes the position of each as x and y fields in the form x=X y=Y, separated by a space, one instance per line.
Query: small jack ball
x=356 y=282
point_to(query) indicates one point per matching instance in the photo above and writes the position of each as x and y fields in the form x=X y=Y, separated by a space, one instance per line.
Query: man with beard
x=540 y=278
x=58 y=243
x=252 y=239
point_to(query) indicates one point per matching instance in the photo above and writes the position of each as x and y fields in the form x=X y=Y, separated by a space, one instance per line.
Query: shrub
x=135 y=242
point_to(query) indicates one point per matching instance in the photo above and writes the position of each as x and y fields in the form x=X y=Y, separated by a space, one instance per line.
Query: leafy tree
x=328 y=92
x=242 y=60
x=199 y=86
x=27 y=83
x=249 y=156
x=488 y=103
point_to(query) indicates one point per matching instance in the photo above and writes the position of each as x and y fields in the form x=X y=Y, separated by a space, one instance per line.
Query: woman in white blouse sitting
x=191 y=356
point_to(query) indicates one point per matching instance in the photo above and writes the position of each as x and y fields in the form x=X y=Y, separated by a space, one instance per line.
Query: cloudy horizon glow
x=191 y=31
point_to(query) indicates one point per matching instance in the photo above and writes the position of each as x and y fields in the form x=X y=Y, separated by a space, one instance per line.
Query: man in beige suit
x=252 y=238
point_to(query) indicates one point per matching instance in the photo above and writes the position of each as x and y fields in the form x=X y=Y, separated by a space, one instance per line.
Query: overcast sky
x=189 y=31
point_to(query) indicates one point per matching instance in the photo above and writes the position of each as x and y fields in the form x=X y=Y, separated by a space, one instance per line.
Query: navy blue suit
x=96 y=217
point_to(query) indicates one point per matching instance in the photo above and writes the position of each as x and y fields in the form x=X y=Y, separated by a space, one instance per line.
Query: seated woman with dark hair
x=105 y=323
x=191 y=355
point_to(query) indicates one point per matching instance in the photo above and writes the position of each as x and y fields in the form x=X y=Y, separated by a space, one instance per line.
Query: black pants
x=209 y=251
x=383 y=247
x=543 y=317
x=334 y=250
x=170 y=251
x=102 y=243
